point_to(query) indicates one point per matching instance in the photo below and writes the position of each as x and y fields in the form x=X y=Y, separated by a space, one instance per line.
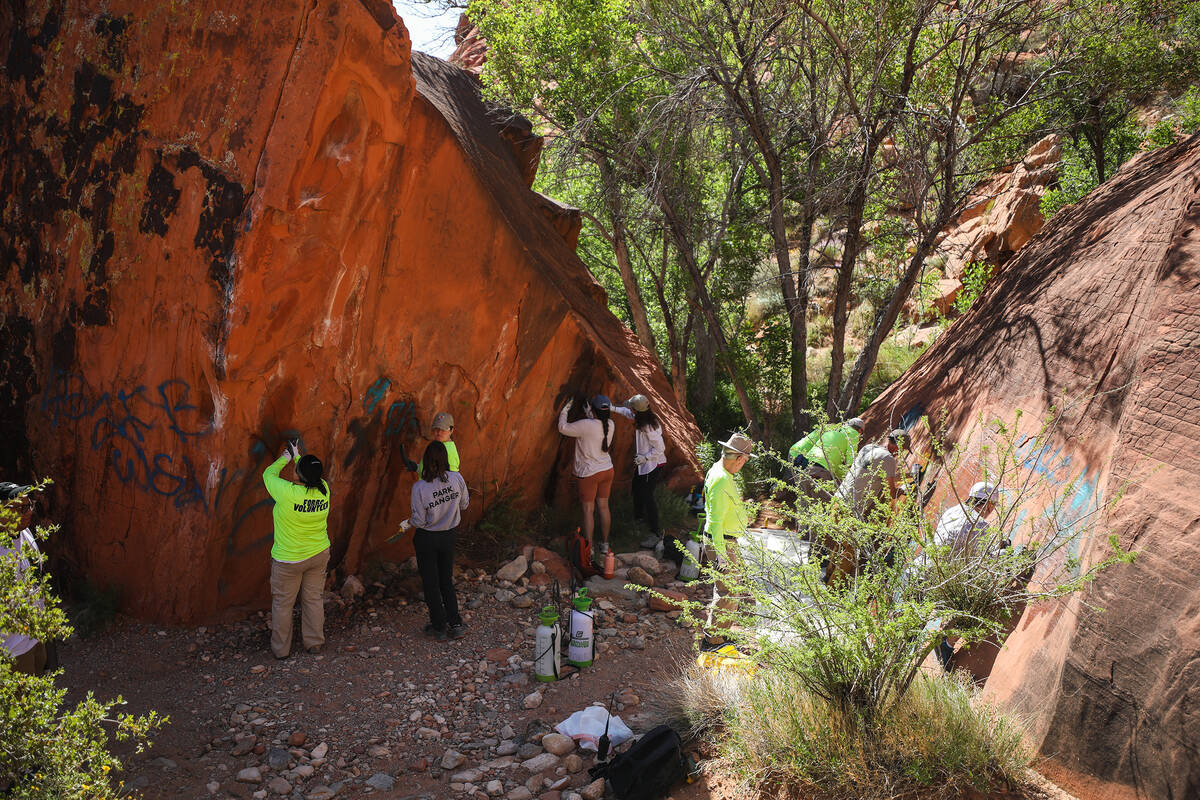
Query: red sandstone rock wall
x=1102 y=309
x=225 y=227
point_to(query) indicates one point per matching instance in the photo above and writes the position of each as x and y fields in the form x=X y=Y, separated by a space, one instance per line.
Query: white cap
x=985 y=491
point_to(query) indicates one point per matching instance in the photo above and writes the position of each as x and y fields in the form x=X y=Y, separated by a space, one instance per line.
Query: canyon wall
x=1096 y=324
x=223 y=228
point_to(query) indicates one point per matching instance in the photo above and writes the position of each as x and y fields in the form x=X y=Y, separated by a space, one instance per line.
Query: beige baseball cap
x=442 y=421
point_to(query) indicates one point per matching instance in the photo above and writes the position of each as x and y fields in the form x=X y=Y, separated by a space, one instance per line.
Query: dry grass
x=780 y=741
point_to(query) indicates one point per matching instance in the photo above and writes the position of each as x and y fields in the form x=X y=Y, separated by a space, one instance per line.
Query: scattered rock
x=279 y=786
x=320 y=750
x=352 y=587
x=513 y=570
x=452 y=759
x=573 y=763
x=541 y=763
x=533 y=700
x=673 y=601
x=298 y=739
x=594 y=790
x=278 y=758
x=520 y=793
x=381 y=781
x=249 y=775
x=557 y=744
x=321 y=792
x=640 y=576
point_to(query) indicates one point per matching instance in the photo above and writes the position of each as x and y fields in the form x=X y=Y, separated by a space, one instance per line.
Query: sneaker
x=602 y=548
x=435 y=633
x=458 y=631
x=316 y=649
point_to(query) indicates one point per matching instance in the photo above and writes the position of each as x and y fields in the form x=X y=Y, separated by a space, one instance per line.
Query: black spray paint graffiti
x=121 y=424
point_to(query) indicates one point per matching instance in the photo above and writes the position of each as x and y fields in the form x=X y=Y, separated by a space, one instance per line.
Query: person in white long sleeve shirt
x=650 y=457
x=593 y=436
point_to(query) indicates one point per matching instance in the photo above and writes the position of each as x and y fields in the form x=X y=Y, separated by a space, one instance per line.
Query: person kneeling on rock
x=438 y=500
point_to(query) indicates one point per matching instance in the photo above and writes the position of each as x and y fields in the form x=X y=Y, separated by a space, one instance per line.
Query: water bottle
x=581 y=651
x=610 y=565
x=546 y=649
x=689 y=570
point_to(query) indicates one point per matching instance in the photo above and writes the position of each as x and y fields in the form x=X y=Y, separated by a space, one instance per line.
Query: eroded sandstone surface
x=225 y=226
x=1097 y=316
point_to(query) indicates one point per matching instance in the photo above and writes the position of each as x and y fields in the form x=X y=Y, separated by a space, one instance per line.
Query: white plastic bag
x=587 y=726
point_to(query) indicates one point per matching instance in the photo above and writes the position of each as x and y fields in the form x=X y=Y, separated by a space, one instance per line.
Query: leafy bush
x=50 y=751
x=839 y=698
x=974 y=281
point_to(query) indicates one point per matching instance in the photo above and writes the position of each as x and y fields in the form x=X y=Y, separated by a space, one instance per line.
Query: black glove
x=409 y=464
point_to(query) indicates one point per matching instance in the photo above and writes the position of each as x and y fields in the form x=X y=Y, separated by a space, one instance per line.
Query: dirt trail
x=383 y=710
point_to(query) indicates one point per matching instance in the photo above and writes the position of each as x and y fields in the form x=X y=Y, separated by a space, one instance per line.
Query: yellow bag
x=726 y=658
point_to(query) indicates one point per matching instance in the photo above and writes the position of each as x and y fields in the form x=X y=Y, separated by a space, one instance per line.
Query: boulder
x=1100 y=309
x=640 y=577
x=1003 y=213
x=674 y=600
x=513 y=570
x=208 y=254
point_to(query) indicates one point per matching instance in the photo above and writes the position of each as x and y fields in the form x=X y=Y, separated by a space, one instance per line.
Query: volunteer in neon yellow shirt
x=300 y=553
x=832 y=448
x=724 y=510
x=443 y=429
x=725 y=518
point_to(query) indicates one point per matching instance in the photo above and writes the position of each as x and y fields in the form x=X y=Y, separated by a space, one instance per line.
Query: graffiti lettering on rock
x=121 y=423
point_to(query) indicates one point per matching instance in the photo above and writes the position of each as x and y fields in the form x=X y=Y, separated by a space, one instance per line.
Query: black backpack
x=648 y=769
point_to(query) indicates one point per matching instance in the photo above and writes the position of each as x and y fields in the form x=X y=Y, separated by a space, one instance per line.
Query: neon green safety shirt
x=451 y=455
x=724 y=511
x=834 y=449
x=300 y=515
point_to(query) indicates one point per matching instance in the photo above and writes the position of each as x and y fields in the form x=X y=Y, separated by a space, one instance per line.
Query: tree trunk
x=633 y=293
x=708 y=311
x=796 y=310
x=845 y=281
x=705 y=384
x=856 y=382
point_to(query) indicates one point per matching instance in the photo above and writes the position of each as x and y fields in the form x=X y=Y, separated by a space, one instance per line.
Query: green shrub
x=974 y=281
x=51 y=751
x=839 y=698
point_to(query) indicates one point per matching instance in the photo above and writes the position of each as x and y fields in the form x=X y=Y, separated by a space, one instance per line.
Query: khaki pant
x=306 y=578
x=722 y=598
x=32 y=662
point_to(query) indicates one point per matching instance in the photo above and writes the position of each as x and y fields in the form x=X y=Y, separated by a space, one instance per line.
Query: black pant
x=435 y=561
x=644 y=506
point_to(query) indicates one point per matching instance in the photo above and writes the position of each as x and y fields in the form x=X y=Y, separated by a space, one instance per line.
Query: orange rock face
x=1099 y=315
x=223 y=228
x=1005 y=212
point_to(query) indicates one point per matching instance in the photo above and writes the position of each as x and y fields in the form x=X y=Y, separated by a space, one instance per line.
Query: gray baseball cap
x=442 y=421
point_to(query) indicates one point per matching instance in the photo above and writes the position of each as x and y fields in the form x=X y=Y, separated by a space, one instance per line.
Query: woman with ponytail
x=593 y=436
x=649 y=458
x=300 y=553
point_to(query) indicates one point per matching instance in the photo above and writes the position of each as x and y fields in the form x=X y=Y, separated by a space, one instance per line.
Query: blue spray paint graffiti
x=400 y=417
x=1073 y=516
x=122 y=423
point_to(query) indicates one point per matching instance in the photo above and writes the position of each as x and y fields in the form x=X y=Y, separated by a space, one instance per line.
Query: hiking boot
x=316 y=649
x=458 y=631
x=435 y=633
